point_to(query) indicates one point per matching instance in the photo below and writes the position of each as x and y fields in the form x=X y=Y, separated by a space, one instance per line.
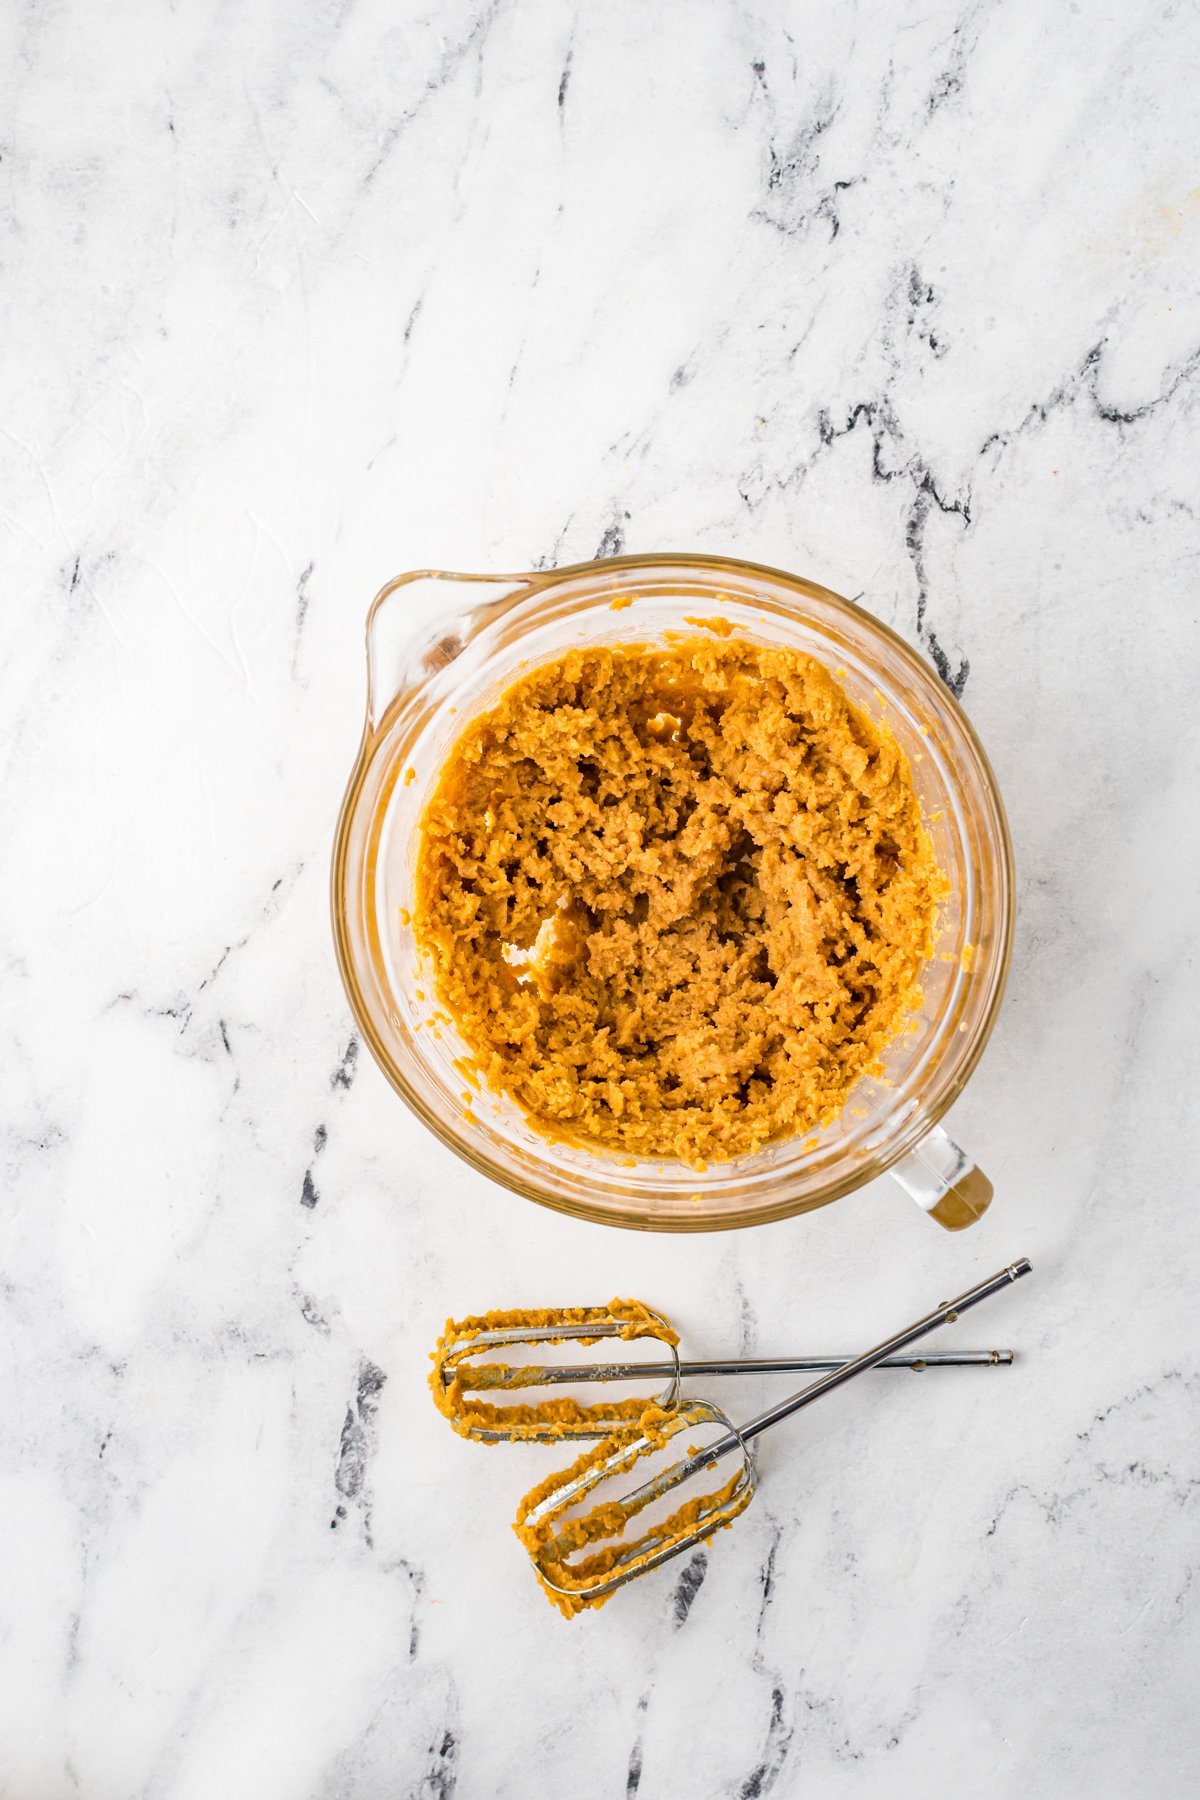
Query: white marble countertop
x=297 y=297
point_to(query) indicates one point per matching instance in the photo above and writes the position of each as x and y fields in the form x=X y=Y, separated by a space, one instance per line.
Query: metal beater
x=594 y=1537
x=457 y=1378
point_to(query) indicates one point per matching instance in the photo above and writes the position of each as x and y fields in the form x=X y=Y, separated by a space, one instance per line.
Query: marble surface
x=296 y=297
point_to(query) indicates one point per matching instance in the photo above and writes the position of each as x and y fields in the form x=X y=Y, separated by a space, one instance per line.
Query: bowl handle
x=944 y=1182
x=421 y=621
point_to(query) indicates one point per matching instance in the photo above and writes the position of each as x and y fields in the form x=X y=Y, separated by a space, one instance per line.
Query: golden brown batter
x=555 y=1538
x=676 y=901
x=456 y=1381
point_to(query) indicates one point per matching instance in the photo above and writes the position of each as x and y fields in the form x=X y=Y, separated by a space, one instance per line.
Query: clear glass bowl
x=441 y=647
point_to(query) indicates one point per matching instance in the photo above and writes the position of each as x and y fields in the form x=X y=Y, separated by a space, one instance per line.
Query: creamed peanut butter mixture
x=676 y=900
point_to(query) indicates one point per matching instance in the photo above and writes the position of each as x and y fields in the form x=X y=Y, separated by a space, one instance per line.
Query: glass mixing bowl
x=441 y=647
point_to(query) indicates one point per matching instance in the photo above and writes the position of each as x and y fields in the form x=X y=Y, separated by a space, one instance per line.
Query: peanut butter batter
x=676 y=901
x=553 y=1541
x=456 y=1381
